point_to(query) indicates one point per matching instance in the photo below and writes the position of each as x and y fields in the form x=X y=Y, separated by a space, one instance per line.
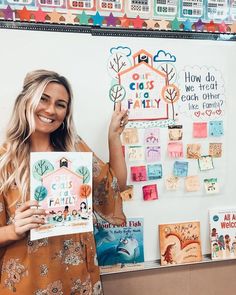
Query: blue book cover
x=119 y=247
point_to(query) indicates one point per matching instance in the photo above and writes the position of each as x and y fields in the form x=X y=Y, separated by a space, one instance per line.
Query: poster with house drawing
x=61 y=182
x=176 y=119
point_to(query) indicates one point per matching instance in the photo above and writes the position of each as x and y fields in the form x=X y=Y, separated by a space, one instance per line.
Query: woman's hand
x=27 y=217
x=118 y=120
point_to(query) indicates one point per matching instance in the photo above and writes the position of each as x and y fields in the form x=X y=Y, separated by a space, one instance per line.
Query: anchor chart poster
x=62 y=184
x=174 y=140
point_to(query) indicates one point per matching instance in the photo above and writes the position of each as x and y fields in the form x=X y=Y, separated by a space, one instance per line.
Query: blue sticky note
x=216 y=128
x=154 y=171
x=180 y=169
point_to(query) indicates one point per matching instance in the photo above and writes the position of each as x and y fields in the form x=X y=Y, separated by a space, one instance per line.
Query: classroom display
x=175 y=136
x=120 y=248
x=180 y=243
x=179 y=144
x=223 y=233
x=177 y=15
x=62 y=184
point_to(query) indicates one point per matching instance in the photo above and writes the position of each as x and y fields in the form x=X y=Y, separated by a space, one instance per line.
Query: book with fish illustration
x=62 y=184
x=180 y=243
x=223 y=233
x=119 y=248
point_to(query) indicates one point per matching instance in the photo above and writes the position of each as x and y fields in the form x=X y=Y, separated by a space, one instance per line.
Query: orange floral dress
x=62 y=265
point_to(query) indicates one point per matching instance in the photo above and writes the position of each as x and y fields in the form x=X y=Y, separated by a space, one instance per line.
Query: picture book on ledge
x=180 y=243
x=120 y=248
x=223 y=233
x=61 y=182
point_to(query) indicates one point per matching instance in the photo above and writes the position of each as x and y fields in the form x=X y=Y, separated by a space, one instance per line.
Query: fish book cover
x=223 y=233
x=180 y=243
x=119 y=248
x=62 y=184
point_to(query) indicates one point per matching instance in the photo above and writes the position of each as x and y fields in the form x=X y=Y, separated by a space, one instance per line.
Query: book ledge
x=155 y=264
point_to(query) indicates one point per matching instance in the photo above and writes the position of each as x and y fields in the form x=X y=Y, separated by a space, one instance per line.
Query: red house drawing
x=143 y=85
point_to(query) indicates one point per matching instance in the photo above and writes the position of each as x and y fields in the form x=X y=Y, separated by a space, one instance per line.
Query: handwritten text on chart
x=202 y=92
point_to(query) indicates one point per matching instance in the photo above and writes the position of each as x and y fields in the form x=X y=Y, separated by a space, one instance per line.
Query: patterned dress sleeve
x=107 y=201
x=3 y=222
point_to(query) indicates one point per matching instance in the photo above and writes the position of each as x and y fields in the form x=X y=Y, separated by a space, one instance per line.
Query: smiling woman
x=42 y=121
x=51 y=110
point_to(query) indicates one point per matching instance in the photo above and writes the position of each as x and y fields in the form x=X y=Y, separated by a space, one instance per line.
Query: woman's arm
x=26 y=218
x=116 y=158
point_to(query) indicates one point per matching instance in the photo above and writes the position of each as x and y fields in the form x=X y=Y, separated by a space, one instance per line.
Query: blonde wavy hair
x=14 y=161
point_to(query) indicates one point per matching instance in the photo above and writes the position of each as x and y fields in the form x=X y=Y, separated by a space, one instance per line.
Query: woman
x=42 y=121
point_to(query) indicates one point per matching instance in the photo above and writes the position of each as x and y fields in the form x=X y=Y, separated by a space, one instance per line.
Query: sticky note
x=154 y=171
x=130 y=136
x=153 y=153
x=199 y=130
x=138 y=173
x=192 y=183
x=205 y=163
x=193 y=151
x=150 y=192
x=180 y=169
x=152 y=136
x=175 y=149
x=175 y=132
x=215 y=150
x=216 y=128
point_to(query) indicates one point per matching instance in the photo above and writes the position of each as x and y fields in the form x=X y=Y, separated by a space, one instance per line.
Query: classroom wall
x=83 y=60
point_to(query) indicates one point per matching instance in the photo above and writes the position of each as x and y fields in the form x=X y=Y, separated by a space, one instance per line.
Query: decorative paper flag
x=211 y=185
x=152 y=136
x=153 y=153
x=135 y=153
x=172 y=183
x=215 y=150
x=180 y=168
x=130 y=136
x=193 y=151
x=199 y=130
x=205 y=163
x=175 y=149
x=175 y=132
x=216 y=128
x=150 y=192
x=128 y=194
x=154 y=171
x=192 y=183
x=138 y=173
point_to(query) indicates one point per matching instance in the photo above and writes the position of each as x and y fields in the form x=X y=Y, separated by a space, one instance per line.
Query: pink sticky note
x=175 y=149
x=199 y=130
x=150 y=192
x=138 y=173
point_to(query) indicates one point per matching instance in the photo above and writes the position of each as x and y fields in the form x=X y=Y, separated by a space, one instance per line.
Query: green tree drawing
x=40 y=193
x=84 y=172
x=40 y=168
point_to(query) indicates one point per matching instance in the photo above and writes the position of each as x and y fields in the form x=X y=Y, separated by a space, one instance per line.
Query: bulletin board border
x=98 y=31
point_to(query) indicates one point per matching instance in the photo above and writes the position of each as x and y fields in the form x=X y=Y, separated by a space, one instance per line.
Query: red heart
x=208 y=112
x=197 y=114
x=218 y=112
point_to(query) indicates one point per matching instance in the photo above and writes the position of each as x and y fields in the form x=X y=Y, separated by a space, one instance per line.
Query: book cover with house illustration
x=119 y=248
x=62 y=184
x=223 y=233
x=180 y=243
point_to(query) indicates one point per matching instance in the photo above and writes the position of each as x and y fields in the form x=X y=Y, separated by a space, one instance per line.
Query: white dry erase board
x=84 y=59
